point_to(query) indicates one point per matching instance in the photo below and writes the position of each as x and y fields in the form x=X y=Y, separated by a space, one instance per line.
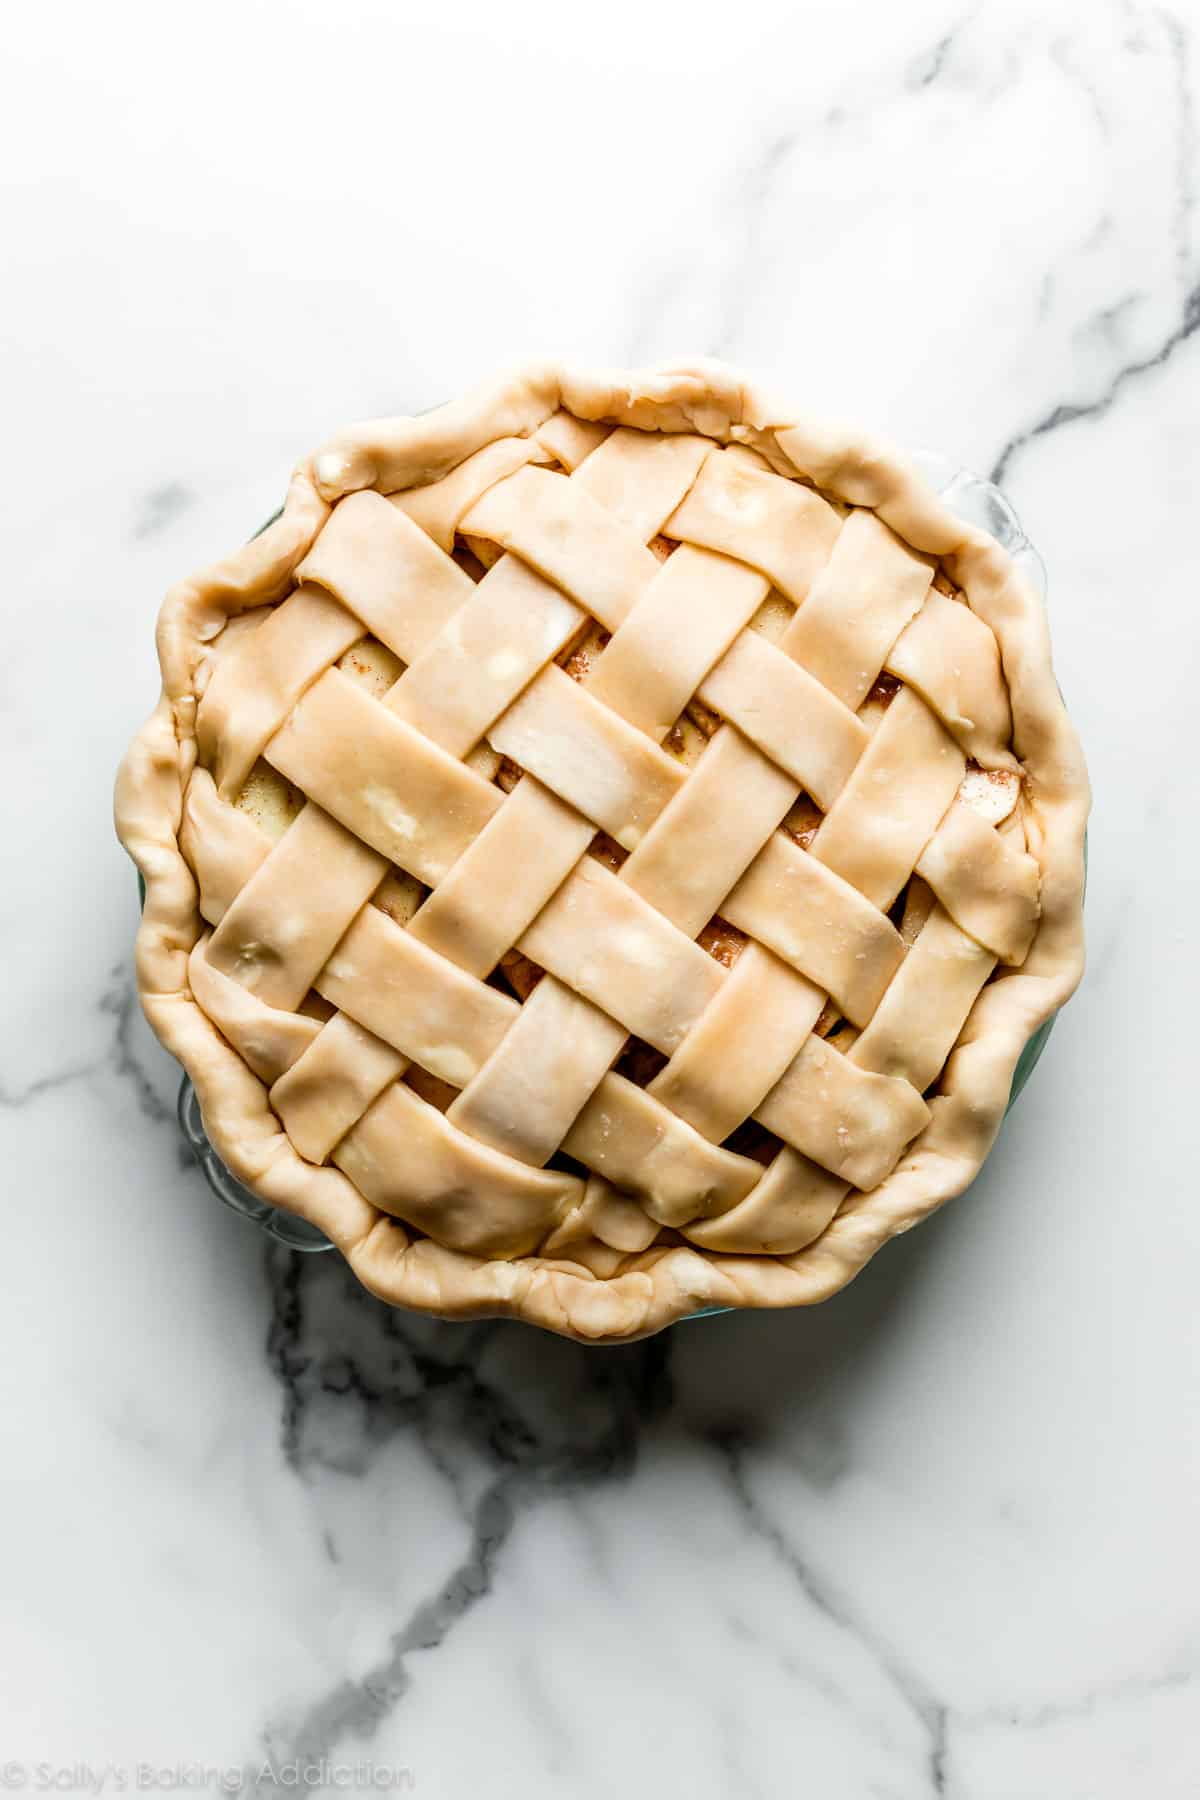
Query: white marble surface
x=934 y=1538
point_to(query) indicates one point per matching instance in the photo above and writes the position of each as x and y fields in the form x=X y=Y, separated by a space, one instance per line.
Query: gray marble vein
x=160 y=507
x=120 y=1004
x=931 y=1713
x=1073 y=412
x=432 y=1381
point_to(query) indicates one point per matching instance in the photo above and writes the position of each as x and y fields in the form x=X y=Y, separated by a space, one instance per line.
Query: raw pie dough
x=606 y=846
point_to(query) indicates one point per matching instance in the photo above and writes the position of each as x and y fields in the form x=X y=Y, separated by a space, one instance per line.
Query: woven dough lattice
x=600 y=843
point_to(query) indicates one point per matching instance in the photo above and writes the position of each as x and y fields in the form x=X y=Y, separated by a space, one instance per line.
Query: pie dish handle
x=284 y=1227
x=973 y=498
x=980 y=502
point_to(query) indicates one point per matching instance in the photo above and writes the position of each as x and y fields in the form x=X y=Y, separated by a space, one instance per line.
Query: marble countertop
x=936 y=1537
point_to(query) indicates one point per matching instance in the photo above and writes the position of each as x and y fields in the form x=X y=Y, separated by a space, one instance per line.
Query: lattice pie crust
x=606 y=846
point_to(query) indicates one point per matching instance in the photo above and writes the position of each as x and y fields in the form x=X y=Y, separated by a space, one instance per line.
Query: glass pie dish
x=975 y=500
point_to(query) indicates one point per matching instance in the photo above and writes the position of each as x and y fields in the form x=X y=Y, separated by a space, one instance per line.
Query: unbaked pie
x=606 y=846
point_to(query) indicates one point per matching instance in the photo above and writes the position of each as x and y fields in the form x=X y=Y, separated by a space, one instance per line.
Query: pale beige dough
x=520 y=826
